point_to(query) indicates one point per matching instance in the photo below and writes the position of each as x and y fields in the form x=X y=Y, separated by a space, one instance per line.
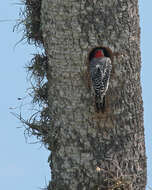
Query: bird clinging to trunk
x=100 y=70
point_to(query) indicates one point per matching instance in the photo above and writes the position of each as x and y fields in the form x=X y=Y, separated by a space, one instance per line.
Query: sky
x=23 y=164
x=146 y=41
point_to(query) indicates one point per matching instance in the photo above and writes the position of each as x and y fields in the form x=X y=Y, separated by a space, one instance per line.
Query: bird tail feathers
x=100 y=103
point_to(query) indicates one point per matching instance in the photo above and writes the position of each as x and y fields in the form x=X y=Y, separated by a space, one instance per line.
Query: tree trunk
x=89 y=150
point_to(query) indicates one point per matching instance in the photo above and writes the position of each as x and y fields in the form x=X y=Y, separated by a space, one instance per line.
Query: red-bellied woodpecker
x=100 y=70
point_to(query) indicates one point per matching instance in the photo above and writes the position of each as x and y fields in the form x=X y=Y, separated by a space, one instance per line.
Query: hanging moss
x=38 y=66
x=38 y=72
x=33 y=21
x=38 y=123
x=30 y=22
x=41 y=94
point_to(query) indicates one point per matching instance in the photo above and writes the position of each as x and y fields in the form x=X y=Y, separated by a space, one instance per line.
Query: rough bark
x=90 y=151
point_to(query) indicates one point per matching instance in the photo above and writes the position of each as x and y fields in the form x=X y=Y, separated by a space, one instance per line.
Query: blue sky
x=23 y=165
x=146 y=41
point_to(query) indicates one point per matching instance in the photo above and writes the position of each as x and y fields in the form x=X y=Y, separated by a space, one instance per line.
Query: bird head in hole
x=98 y=53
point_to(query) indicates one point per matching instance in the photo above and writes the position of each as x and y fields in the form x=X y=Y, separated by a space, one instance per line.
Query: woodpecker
x=100 y=70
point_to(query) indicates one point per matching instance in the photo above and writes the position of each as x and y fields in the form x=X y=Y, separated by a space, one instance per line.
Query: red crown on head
x=98 y=54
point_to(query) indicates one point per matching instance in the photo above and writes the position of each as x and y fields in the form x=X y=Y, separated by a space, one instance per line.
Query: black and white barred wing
x=100 y=74
x=105 y=70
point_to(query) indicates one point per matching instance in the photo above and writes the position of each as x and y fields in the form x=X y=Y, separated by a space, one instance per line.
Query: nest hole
x=106 y=50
